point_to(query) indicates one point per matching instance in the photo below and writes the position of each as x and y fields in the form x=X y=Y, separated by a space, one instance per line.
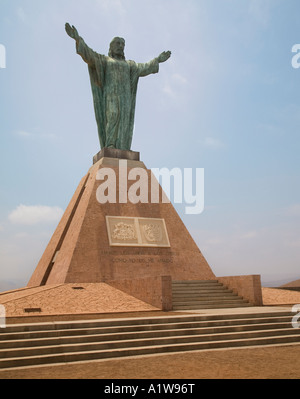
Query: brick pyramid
x=81 y=249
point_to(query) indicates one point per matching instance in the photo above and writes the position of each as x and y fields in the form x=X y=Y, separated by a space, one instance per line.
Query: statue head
x=116 y=48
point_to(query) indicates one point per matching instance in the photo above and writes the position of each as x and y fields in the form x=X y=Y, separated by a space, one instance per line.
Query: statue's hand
x=72 y=31
x=164 y=56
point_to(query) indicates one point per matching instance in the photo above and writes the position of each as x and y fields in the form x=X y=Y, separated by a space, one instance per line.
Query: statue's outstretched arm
x=72 y=31
x=82 y=49
x=164 y=56
x=153 y=66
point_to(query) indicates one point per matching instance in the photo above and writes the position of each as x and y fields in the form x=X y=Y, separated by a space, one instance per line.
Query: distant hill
x=278 y=280
x=295 y=283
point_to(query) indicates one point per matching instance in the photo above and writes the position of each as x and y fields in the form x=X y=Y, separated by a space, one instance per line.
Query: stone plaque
x=137 y=232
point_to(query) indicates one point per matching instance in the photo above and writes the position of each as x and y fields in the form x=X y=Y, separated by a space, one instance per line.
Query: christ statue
x=114 y=82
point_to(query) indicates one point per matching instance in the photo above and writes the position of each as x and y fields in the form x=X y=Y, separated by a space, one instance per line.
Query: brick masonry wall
x=156 y=291
x=248 y=287
x=64 y=299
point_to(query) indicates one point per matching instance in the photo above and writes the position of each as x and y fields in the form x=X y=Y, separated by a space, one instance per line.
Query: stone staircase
x=47 y=343
x=204 y=294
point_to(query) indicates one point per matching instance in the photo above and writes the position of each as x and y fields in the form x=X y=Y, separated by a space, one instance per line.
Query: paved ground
x=282 y=362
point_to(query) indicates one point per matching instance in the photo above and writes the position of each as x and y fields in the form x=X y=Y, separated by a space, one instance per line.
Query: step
x=218 y=299
x=208 y=301
x=59 y=340
x=218 y=306
x=143 y=350
x=137 y=341
x=203 y=293
x=196 y=284
x=46 y=343
x=188 y=295
x=198 y=287
x=110 y=323
x=32 y=335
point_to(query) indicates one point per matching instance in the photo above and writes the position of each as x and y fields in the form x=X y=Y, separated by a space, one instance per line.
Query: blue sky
x=227 y=101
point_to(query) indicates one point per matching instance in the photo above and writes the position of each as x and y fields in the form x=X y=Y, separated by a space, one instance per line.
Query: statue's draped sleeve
x=138 y=70
x=85 y=52
x=148 y=68
x=97 y=65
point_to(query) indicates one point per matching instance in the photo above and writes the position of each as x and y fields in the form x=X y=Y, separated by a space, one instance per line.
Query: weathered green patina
x=114 y=82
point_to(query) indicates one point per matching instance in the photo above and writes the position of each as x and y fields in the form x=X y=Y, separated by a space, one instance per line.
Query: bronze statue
x=114 y=82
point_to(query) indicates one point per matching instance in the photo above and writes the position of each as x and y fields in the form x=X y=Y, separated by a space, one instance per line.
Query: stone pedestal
x=116 y=153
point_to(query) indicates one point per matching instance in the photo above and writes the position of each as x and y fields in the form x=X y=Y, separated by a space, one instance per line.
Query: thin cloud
x=23 y=133
x=35 y=214
x=270 y=129
x=21 y=14
x=249 y=235
x=179 y=79
x=239 y=251
x=35 y=136
x=112 y=6
x=260 y=11
x=174 y=86
x=293 y=210
x=213 y=143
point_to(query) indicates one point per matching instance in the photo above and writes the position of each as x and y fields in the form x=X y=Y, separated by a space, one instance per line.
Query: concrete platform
x=241 y=310
x=23 y=345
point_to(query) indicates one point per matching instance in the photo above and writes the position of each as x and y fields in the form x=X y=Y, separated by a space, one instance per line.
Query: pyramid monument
x=88 y=246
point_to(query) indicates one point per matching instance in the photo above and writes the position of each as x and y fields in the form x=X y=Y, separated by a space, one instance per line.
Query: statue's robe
x=114 y=87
